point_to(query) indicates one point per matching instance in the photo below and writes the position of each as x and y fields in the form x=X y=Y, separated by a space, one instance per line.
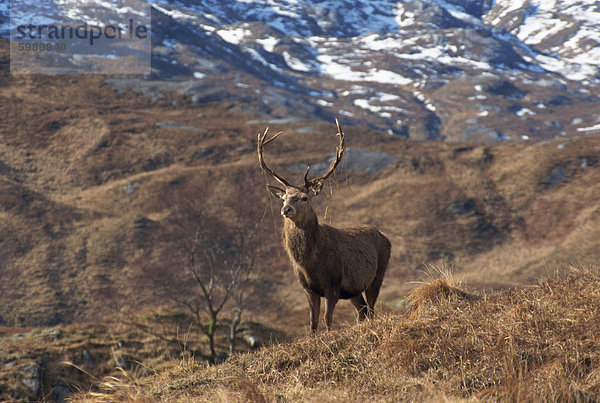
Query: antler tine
x=338 y=157
x=306 y=175
x=272 y=138
x=261 y=142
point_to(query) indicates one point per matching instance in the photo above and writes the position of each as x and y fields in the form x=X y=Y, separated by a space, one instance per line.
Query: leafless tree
x=208 y=272
x=244 y=267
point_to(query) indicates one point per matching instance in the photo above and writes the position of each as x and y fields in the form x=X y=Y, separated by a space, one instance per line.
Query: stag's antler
x=261 y=143
x=338 y=157
x=262 y=140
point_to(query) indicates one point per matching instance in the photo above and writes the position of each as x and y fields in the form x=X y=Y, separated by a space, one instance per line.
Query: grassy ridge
x=535 y=343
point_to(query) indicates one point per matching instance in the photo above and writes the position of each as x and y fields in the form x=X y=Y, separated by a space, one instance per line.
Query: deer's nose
x=287 y=211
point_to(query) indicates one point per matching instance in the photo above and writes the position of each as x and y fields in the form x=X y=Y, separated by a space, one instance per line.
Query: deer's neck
x=300 y=238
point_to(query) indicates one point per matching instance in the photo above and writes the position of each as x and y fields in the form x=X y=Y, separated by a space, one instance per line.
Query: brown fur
x=332 y=262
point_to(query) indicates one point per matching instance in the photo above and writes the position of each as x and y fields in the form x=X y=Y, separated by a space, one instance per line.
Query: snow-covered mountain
x=478 y=70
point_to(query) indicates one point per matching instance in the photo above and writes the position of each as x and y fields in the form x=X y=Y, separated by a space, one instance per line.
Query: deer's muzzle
x=287 y=211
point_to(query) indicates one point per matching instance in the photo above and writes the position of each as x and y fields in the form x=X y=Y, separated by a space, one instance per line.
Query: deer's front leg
x=314 y=302
x=332 y=296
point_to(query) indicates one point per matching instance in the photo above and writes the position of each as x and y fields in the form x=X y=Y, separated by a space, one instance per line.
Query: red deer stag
x=328 y=262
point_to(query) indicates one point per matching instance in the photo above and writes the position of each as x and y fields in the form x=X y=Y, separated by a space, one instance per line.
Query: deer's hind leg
x=332 y=296
x=372 y=291
x=361 y=306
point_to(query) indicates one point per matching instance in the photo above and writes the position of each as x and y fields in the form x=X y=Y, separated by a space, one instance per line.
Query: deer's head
x=297 y=198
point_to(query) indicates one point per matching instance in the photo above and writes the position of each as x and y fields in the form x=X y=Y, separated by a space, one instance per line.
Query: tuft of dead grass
x=121 y=387
x=441 y=286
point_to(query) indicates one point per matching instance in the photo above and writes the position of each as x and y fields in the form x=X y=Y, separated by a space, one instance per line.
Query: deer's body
x=327 y=257
x=331 y=263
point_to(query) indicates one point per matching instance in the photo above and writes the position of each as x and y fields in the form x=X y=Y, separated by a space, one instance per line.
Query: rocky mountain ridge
x=457 y=71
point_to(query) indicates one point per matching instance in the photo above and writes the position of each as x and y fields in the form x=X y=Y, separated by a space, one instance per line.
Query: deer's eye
x=304 y=198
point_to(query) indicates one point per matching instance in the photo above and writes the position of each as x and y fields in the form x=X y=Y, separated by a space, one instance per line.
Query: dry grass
x=121 y=387
x=441 y=286
x=538 y=343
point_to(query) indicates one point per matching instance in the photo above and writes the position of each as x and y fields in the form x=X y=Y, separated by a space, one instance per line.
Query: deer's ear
x=315 y=188
x=277 y=192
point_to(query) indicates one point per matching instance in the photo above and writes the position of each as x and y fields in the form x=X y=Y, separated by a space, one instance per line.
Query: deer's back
x=359 y=248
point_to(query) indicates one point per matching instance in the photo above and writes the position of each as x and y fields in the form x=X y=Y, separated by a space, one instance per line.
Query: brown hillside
x=89 y=178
